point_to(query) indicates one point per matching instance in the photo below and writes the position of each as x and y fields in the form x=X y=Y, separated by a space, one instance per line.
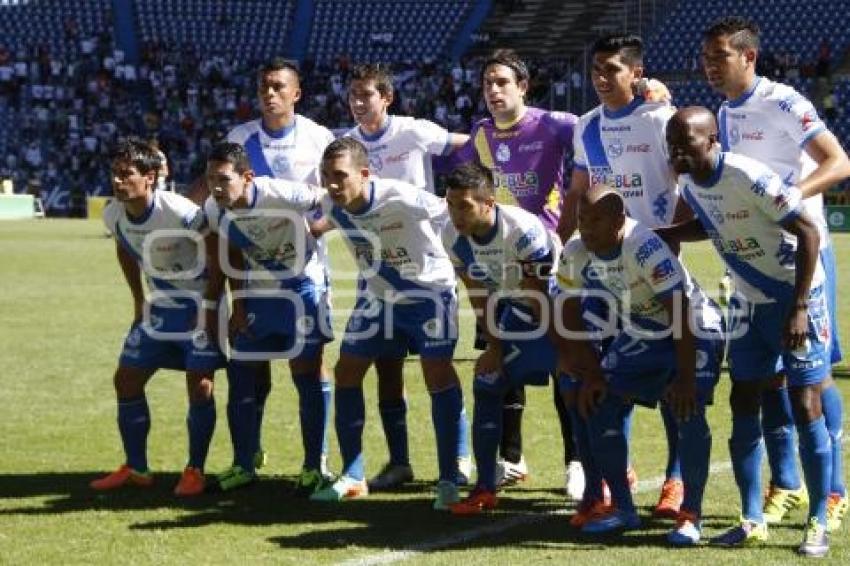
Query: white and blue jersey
x=402 y=149
x=285 y=286
x=636 y=278
x=742 y=208
x=517 y=239
x=165 y=241
x=626 y=149
x=403 y=268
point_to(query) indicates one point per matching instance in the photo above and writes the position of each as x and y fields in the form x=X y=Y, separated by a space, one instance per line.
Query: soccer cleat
x=670 y=500
x=123 y=476
x=588 y=511
x=447 y=495
x=836 y=508
x=260 y=459
x=326 y=470
x=476 y=502
x=815 y=540
x=341 y=490
x=464 y=470
x=747 y=533
x=779 y=502
x=631 y=477
x=192 y=482
x=232 y=478
x=510 y=473
x=574 y=481
x=391 y=476
x=613 y=520
x=309 y=482
x=687 y=532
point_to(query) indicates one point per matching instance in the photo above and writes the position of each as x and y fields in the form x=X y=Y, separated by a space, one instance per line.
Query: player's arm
x=490 y=361
x=236 y=279
x=688 y=231
x=806 y=261
x=133 y=276
x=682 y=392
x=833 y=164
x=579 y=184
x=456 y=141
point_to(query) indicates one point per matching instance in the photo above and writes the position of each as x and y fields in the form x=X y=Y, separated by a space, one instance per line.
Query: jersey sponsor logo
x=738 y=215
x=530 y=147
x=503 y=153
x=521 y=184
x=614 y=149
x=747 y=249
x=502 y=135
x=757 y=135
x=391 y=227
x=400 y=158
x=616 y=128
x=663 y=271
x=647 y=249
x=638 y=148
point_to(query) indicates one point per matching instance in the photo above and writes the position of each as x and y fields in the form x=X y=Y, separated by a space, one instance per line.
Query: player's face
x=599 y=228
x=467 y=213
x=612 y=78
x=502 y=93
x=128 y=184
x=726 y=67
x=367 y=104
x=226 y=185
x=688 y=147
x=278 y=91
x=345 y=181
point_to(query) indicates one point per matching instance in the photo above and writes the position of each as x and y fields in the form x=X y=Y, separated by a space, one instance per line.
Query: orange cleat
x=125 y=475
x=479 y=500
x=587 y=512
x=670 y=500
x=192 y=482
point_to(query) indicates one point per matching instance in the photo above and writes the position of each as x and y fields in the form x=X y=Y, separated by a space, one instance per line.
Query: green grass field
x=65 y=310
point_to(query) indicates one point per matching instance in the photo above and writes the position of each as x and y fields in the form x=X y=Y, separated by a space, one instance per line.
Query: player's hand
x=681 y=396
x=796 y=328
x=592 y=392
x=490 y=361
x=238 y=321
x=652 y=90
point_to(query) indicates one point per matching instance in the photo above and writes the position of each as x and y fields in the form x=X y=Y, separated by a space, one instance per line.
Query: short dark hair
x=743 y=33
x=278 y=64
x=233 y=153
x=628 y=45
x=508 y=58
x=473 y=177
x=137 y=152
x=349 y=145
x=378 y=72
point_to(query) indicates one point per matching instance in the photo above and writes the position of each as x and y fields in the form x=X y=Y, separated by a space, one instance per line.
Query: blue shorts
x=755 y=348
x=377 y=329
x=143 y=349
x=827 y=258
x=526 y=360
x=294 y=324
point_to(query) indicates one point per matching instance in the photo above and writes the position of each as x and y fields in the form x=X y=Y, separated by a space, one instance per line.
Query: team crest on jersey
x=376 y=164
x=716 y=214
x=503 y=153
x=734 y=135
x=281 y=165
x=615 y=148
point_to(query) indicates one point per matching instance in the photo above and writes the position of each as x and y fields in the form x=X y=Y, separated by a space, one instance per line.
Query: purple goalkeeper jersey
x=527 y=158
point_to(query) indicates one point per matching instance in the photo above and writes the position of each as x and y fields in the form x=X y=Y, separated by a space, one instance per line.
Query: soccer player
x=399 y=147
x=664 y=317
x=779 y=315
x=773 y=123
x=621 y=143
x=407 y=302
x=281 y=307
x=525 y=148
x=496 y=250
x=157 y=234
x=284 y=145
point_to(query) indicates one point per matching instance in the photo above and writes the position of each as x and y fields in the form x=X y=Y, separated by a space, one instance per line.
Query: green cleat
x=309 y=482
x=447 y=495
x=260 y=459
x=341 y=490
x=231 y=479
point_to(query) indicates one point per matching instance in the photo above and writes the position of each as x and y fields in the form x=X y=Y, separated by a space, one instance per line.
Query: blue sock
x=327 y=399
x=262 y=390
x=833 y=412
x=350 y=418
x=446 y=406
x=463 y=435
x=394 y=420
x=745 y=450
x=608 y=429
x=201 y=423
x=777 y=421
x=242 y=403
x=671 y=428
x=487 y=429
x=134 y=423
x=312 y=413
x=592 y=475
x=695 y=453
x=816 y=456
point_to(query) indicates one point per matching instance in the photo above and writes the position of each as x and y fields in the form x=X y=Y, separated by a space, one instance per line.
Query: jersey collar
x=625 y=110
x=145 y=215
x=746 y=96
x=715 y=175
x=614 y=254
x=377 y=135
x=488 y=237
x=368 y=204
x=507 y=125
x=278 y=134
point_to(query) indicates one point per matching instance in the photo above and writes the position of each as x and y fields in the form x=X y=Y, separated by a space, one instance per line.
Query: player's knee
x=489 y=386
x=306 y=366
x=805 y=403
x=199 y=387
x=439 y=374
x=129 y=382
x=350 y=370
x=745 y=398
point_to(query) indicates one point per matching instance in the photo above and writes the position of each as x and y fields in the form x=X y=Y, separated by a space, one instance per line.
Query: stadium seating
x=24 y=25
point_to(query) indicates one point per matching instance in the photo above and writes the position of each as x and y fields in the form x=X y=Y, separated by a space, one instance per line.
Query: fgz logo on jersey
x=647 y=249
x=664 y=271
